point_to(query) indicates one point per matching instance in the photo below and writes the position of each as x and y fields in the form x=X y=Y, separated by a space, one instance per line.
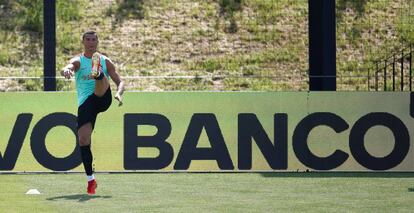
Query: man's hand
x=68 y=73
x=118 y=97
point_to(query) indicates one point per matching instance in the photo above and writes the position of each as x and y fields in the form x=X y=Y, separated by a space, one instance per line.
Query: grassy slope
x=294 y=192
x=183 y=37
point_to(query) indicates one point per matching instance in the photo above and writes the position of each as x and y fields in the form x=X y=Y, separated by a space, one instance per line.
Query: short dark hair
x=89 y=33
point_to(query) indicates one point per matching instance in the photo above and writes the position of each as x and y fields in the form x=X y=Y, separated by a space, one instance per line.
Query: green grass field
x=211 y=192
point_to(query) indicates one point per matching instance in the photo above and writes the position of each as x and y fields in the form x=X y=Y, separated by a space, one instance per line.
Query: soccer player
x=92 y=71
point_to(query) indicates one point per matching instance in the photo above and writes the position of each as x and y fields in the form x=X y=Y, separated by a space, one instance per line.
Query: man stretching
x=92 y=71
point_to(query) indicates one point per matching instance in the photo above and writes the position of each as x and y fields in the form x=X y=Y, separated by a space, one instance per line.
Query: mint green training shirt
x=85 y=84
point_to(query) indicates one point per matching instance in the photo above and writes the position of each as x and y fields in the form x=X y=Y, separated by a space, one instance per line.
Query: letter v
x=8 y=161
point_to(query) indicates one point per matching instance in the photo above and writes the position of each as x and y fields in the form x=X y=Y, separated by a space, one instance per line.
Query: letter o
x=38 y=143
x=401 y=135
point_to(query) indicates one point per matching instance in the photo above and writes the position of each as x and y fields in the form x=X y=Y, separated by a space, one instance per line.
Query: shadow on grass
x=78 y=197
x=357 y=6
x=410 y=189
x=126 y=9
x=227 y=10
x=340 y=174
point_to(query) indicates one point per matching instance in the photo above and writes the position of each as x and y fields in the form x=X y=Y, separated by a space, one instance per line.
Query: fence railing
x=393 y=73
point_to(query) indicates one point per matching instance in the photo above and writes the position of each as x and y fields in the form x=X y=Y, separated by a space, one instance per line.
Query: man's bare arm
x=73 y=66
x=117 y=79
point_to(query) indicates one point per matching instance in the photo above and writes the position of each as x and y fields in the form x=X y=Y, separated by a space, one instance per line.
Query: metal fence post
x=376 y=78
x=49 y=40
x=385 y=76
x=393 y=72
x=402 y=70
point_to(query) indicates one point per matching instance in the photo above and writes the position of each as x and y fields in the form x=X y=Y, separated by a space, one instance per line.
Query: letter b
x=132 y=140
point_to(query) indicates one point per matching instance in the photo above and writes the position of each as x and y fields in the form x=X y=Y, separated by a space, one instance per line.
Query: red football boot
x=92 y=185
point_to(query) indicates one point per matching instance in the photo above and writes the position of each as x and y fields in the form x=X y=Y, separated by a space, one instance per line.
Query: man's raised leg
x=101 y=86
x=101 y=82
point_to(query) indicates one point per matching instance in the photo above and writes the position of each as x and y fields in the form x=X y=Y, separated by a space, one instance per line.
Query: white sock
x=91 y=177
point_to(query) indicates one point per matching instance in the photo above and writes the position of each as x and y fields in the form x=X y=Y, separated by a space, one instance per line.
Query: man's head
x=90 y=41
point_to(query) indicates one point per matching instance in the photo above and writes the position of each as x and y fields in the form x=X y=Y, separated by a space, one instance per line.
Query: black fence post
x=49 y=40
x=402 y=70
x=385 y=76
x=411 y=74
x=393 y=72
x=368 y=80
x=376 y=77
x=322 y=45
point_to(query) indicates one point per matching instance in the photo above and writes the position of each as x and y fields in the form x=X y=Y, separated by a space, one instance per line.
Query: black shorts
x=93 y=105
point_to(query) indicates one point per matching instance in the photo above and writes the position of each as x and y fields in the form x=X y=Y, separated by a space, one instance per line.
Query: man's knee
x=84 y=140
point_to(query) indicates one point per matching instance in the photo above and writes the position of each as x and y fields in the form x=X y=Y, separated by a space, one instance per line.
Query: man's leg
x=101 y=82
x=101 y=85
x=84 y=133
